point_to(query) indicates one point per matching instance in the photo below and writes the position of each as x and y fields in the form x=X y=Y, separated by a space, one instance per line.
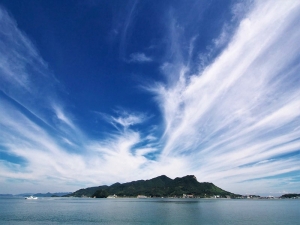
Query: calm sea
x=149 y=211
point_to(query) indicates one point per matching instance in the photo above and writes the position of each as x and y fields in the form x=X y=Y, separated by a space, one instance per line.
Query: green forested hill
x=161 y=186
x=290 y=196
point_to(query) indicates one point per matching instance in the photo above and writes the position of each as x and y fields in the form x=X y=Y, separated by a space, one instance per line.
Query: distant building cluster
x=112 y=196
x=187 y=196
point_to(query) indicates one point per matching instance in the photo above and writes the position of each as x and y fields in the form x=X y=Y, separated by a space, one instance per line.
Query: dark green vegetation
x=102 y=193
x=290 y=196
x=161 y=186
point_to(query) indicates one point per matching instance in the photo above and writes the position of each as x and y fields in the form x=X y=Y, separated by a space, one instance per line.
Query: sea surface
x=149 y=211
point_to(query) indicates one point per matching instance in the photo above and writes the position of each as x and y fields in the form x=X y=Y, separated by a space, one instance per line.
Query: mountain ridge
x=161 y=186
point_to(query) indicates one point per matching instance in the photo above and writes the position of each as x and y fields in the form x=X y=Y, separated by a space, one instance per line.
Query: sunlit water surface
x=149 y=211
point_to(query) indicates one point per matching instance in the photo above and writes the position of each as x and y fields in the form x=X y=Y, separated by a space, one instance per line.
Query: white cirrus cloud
x=244 y=107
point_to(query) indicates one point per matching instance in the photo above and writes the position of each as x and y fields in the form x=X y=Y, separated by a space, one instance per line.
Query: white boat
x=31 y=198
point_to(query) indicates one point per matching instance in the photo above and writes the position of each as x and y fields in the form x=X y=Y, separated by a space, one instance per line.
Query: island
x=294 y=196
x=161 y=186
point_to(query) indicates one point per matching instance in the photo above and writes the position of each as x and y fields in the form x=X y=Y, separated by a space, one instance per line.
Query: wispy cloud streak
x=37 y=129
x=244 y=107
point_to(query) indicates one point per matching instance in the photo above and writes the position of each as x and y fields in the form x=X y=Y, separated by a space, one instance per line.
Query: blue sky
x=98 y=92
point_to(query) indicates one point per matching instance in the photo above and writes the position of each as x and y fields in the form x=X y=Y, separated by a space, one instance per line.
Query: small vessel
x=31 y=198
